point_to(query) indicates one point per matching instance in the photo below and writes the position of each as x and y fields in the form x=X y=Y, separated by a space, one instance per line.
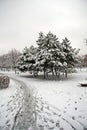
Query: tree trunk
x=58 y=74
x=66 y=73
x=52 y=72
x=44 y=73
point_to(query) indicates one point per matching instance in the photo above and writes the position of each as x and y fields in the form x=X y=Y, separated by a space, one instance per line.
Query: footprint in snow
x=75 y=102
x=61 y=129
x=12 y=110
x=42 y=108
x=51 y=128
x=9 y=102
x=68 y=104
x=45 y=120
x=73 y=117
x=59 y=115
x=52 y=121
x=80 y=116
x=41 y=127
x=2 y=105
x=8 y=109
x=58 y=124
x=48 y=107
x=75 y=108
x=65 y=107
x=80 y=98
x=9 y=125
x=55 y=113
x=7 y=121
x=49 y=114
x=12 y=114
x=6 y=116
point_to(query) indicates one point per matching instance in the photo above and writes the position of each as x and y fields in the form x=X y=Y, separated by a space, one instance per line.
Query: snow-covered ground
x=16 y=106
x=10 y=103
x=59 y=105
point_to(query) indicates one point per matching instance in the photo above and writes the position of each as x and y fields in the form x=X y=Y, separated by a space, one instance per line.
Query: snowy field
x=10 y=102
x=59 y=105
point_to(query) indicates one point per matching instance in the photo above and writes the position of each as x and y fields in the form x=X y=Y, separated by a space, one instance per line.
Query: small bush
x=4 y=81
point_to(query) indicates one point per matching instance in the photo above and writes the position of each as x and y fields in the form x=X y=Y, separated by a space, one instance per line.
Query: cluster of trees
x=50 y=55
x=83 y=60
x=8 y=61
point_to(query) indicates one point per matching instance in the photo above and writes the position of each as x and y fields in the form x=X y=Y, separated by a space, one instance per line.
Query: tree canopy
x=50 y=55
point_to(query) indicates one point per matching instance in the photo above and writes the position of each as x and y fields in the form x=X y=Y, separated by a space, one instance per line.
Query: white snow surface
x=60 y=105
x=10 y=102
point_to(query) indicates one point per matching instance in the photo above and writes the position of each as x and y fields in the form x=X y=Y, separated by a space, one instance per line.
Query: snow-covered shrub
x=4 y=81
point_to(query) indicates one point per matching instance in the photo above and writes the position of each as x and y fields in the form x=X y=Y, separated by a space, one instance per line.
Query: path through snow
x=59 y=105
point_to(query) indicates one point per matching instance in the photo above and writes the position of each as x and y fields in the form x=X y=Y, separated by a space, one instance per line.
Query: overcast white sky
x=22 y=20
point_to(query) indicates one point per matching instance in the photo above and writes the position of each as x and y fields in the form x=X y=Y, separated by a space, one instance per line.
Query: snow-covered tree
x=27 y=60
x=71 y=55
x=48 y=52
x=49 y=56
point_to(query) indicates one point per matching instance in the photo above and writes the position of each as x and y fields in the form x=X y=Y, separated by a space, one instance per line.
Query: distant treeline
x=8 y=61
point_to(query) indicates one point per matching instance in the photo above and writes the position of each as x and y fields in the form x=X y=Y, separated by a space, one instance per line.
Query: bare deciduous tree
x=9 y=60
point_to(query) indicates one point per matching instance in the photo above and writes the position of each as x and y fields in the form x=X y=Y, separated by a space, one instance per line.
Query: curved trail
x=24 y=116
x=39 y=115
x=27 y=118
